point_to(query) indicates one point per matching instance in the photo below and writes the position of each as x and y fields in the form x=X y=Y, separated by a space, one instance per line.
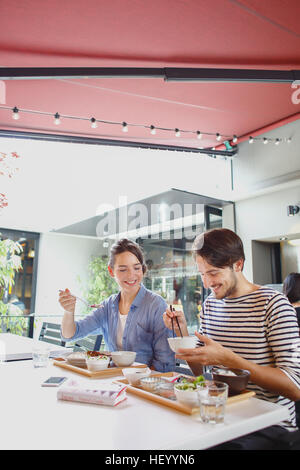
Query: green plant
x=100 y=284
x=10 y=263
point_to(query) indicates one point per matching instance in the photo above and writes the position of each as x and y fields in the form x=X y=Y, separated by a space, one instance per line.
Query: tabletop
x=14 y=347
x=33 y=418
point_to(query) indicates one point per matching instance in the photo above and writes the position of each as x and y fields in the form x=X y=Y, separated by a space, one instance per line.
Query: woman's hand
x=212 y=353
x=169 y=315
x=67 y=300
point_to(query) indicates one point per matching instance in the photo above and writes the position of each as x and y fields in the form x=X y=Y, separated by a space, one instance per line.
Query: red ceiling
x=263 y=34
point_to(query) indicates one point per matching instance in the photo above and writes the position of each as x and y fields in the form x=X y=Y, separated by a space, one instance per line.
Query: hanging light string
x=57 y=117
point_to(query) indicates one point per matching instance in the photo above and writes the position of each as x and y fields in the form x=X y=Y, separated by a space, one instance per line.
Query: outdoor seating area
x=150 y=227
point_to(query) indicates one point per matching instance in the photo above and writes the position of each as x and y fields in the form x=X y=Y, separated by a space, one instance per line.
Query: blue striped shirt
x=144 y=331
x=261 y=327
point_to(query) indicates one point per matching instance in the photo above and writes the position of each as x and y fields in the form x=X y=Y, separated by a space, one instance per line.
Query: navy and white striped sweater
x=261 y=327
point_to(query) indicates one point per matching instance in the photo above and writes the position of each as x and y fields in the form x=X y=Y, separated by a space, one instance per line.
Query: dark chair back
x=50 y=333
x=89 y=343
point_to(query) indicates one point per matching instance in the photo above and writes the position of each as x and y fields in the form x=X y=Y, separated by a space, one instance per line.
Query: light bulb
x=15 y=113
x=152 y=130
x=265 y=141
x=125 y=128
x=251 y=140
x=218 y=136
x=199 y=135
x=234 y=140
x=177 y=132
x=277 y=141
x=93 y=123
x=289 y=140
x=56 y=119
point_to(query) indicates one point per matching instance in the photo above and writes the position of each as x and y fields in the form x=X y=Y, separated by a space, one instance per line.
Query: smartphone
x=54 y=381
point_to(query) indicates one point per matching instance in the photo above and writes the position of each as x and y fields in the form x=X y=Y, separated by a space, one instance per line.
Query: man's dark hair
x=291 y=287
x=126 y=245
x=220 y=247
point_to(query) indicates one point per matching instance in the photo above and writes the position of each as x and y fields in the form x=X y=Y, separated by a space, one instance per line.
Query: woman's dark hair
x=291 y=287
x=126 y=245
x=220 y=247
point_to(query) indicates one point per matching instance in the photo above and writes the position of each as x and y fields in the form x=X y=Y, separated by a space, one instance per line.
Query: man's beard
x=230 y=290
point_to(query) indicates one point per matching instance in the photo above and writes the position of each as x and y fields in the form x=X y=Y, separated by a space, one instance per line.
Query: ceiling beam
x=117 y=143
x=170 y=74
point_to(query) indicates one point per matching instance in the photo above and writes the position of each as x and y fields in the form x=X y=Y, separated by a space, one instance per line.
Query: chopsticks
x=172 y=320
x=84 y=301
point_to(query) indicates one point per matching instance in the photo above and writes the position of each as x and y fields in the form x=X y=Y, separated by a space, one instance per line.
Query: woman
x=131 y=320
x=291 y=289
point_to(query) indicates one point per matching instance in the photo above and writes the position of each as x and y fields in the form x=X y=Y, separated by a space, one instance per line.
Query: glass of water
x=40 y=356
x=212 y=401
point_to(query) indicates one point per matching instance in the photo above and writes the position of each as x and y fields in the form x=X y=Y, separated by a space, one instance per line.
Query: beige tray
x=109 y=372
x=175 y=405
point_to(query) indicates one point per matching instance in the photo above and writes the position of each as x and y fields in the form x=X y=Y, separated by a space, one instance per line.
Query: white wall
x=265 y=218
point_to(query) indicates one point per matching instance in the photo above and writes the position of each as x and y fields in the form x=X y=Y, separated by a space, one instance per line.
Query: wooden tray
x=175 y=405
x=109 y=372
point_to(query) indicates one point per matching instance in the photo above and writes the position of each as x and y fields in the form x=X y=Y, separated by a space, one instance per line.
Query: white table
x=15 y=348
x=33 y=418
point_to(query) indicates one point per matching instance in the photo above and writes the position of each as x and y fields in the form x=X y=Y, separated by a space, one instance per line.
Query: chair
x=90 y=343
x=50 y=332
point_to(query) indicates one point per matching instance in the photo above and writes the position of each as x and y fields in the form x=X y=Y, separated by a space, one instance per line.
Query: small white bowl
x=123 y=358
x=187 y=397
x=133 y=375
x=186 y=342
x=94 y=364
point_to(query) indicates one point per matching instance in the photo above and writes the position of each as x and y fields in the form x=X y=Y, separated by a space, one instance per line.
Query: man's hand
x=169 y=315
x=212 y=353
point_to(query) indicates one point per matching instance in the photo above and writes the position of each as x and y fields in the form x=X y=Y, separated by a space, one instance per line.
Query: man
x=245 y=326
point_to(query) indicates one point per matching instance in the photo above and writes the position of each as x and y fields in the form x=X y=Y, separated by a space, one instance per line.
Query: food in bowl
x=150 y=384
x=134 y=375
x=185 y=342
x=186 y=390
x=237 y=379
x=123 y=358
x=97 y=362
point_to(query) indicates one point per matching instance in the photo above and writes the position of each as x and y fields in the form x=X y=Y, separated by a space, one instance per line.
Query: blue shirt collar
x=138 y=298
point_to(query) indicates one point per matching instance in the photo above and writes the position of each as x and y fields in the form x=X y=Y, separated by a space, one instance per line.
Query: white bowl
x=123 y=358
x=187 y=397
x=134 y=374
x=186 y=342
x=94 y=364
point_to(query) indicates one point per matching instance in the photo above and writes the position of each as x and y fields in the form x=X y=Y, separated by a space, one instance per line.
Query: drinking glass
x=212 y=400
x=40 y=356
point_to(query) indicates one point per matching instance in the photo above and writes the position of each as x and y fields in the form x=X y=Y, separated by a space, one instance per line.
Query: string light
x=153 y=129
x=93 y=123
x=16 y=113
x=56 y=119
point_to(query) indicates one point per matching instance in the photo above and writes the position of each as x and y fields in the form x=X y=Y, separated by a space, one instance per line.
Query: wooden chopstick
x=173 y=310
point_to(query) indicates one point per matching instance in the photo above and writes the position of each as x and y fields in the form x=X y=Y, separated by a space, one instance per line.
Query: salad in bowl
x=96 y=361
